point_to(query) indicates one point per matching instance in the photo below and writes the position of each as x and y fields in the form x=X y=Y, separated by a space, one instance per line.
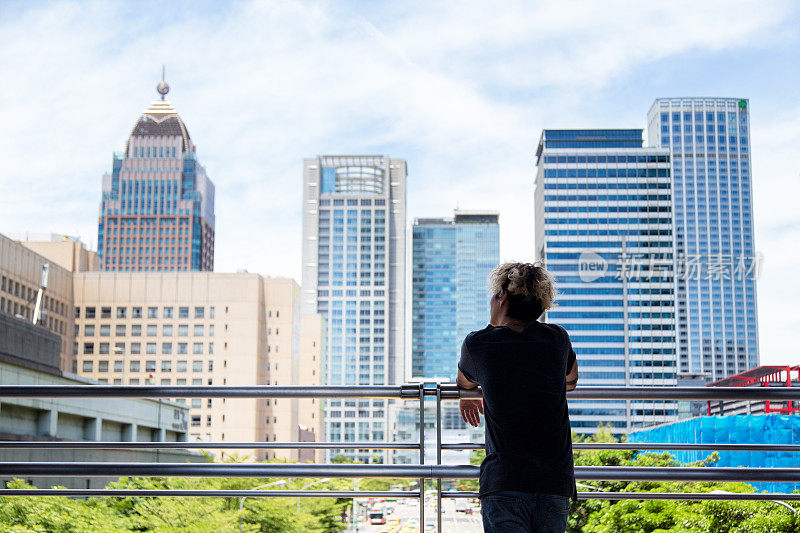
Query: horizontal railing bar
x=256 y=391
x=277 y=470
x=51 y=444
x=118 y=493
x=598 y=495
x=407 y=391
x=453 y=392
x=651 y=446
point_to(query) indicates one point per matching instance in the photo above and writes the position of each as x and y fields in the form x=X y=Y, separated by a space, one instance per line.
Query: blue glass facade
x=451 y=263
x=604 y=230
x=709 y=139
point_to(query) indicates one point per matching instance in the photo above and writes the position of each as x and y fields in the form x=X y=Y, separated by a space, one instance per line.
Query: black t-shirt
x=523 y=377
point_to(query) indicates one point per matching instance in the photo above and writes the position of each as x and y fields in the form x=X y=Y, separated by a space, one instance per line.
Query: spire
x=162 y=86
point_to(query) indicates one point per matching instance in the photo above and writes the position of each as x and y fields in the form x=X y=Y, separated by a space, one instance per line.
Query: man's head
x=520 y=291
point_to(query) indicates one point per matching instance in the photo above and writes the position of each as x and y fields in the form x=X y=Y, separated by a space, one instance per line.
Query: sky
x=461 y=90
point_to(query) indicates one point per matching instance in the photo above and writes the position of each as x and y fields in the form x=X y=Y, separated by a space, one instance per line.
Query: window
x=119 y=365
x=122 y=312
x=183 y=347
x=136 y=348
x=211 y=312
x=166 y=330
x=195 y=420
x=88 y=366
x=166 y=366
x=136 y=312
x=119 y=347
x=196 y=402
x=152 y=312
x=105 y=330
x=134 y=366
x=199 y=312
x=183 y=312
x=197 y=366
x=77 y=311
x=105 y=312
x=166 y=348
x=211 y=366
x=181 y=367
x=133 y=381
x=102 y=366
x=89 y=312
x=183 y=330
x=88 y=348
x=136 y=330
x=152 y=330
x=88 y=331
x=198 y=330
x=150 y=366
x=211 y=330
x=167 y=312
x=150 y=348
x=119 y=330
x=166 y=382
x=104 y=348
x=197 y=348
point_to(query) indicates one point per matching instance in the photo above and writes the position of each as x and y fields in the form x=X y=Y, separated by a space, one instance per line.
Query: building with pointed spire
x=157 y=210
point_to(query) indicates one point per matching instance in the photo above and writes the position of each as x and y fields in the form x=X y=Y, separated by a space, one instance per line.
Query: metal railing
x=420 y=472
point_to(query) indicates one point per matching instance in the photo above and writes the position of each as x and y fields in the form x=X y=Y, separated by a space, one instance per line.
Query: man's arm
x=572 y=377
x=471 y=409
x=463 y=382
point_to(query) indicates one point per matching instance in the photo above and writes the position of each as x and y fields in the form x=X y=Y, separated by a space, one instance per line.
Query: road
x=452 y=522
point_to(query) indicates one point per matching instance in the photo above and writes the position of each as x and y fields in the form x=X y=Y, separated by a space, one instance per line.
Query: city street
x=408 y=515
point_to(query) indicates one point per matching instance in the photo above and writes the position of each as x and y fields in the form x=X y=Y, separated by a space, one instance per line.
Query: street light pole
x=323 y=480
x=355 y=512
x=241 y=503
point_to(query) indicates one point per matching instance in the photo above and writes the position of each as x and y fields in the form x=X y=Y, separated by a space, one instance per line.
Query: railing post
x=422 y=455
x=439 y=456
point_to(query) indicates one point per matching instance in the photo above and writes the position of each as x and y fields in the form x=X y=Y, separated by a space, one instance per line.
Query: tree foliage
x=664 y=516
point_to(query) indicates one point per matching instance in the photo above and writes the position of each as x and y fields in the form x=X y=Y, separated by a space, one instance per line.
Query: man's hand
x=471 y=411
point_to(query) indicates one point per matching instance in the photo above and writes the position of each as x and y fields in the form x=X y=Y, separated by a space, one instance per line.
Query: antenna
x=162 y=87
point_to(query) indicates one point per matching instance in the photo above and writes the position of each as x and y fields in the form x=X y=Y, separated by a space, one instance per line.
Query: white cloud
x=460 y=89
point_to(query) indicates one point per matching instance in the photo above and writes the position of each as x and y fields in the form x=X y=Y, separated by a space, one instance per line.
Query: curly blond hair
x=530 y=287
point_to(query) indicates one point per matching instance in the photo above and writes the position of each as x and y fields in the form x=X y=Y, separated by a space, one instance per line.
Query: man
x=524 y=367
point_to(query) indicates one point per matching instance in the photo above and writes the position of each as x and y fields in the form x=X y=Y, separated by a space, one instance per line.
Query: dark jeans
x=518 y=512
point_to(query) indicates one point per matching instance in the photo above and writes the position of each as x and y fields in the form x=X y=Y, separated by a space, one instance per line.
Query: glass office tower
x=354 y=210
x=451 y=262
x=157 y=209
x=709 y=140
x=604 y=229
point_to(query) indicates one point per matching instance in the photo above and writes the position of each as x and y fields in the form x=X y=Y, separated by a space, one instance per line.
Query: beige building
x=20 y=278
x=65 y=251
x=202 y=328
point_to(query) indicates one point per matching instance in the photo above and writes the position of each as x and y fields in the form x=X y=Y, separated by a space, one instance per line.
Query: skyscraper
x=354 y=215
x=709 y=139
x=604 y=229
x=451 y=263
x=157 y=210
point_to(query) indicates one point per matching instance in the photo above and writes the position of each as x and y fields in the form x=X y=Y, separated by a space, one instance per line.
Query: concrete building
x=709 y=143
x=205 y=329
x=20 y=279
x=65 y=251
x=157 y=208
x=29 y=355
x=354 y=228
x=604 y=229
